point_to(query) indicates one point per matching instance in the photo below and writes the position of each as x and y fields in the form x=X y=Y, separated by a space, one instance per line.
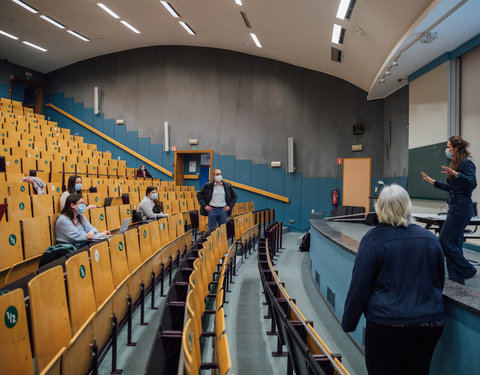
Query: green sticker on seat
x=5 y=149
x=11 y=316
x=12 y=239
x=45 y=162
x=163 y=226
x=180 y=222
x=144 y=233
x=82 y=271
x=128 y=211
x=120 y=246
x=101 y=217
x=16 y=161
x=58 y=190
x=22 y=189
x=21 y=206
x=96 y=199
x=115 y=190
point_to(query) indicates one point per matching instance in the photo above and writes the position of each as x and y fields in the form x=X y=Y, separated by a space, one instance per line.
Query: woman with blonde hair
x=461 y=181
x=397 y=283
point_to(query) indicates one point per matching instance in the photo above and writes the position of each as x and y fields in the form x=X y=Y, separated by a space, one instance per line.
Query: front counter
x=332 y=255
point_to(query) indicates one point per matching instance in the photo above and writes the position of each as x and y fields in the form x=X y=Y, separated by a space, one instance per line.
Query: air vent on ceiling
x=350 y=9
x=336 y=55
x=245 y=19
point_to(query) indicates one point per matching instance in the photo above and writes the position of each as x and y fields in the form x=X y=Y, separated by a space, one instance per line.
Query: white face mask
x=218 y=178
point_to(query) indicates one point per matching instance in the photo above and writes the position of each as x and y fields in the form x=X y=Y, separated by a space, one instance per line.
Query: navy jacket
x=397 y=278
x=460 y=188
x=204 y=196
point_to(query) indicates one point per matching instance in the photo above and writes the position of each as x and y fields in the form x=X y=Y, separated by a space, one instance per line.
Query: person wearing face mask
x=74 y=185
x=143 y=173
x=74 y=228
x=216 y=199
x=461 y=181
x=147 y=205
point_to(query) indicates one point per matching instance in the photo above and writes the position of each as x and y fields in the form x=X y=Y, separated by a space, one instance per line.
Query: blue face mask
x=448 y=154
x=154 y=196
x=81 y=208
x=78 y=187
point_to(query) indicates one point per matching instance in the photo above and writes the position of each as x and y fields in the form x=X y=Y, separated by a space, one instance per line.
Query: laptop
x=123 y=228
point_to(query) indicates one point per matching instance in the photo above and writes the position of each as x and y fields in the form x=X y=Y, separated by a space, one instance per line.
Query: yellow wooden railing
x=159 y=167
x=111 y=140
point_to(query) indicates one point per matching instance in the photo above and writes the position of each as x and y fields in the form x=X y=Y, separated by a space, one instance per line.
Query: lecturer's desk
x=435 y=222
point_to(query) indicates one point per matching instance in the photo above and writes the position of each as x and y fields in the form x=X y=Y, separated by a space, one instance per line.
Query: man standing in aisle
x=216 y=199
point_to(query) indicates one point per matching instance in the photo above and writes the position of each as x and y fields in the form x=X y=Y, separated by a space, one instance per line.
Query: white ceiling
x=292 y=31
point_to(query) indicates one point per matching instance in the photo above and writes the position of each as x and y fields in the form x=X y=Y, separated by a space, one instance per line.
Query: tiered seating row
x=102 y=286
x=307 y=353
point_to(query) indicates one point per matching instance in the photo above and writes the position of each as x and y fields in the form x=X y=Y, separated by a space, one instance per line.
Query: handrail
x=160 y=168
x=111 y=140
x=259 y=191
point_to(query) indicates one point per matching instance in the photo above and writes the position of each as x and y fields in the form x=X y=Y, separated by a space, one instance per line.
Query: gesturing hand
x=449 y=171
x=427 y=178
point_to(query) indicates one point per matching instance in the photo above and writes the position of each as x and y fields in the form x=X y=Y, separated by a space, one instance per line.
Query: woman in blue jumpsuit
x=461 y=181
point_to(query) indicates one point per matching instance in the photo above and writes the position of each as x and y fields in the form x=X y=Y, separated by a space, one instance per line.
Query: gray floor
x=250 y=347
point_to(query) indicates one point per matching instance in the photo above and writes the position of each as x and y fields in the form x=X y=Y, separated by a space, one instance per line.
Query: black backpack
x=305 y=245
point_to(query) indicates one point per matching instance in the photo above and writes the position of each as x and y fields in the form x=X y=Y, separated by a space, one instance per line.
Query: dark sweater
x=397 y=278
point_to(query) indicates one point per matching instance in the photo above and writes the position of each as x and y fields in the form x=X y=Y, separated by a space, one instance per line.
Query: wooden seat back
x=118 y=259
x=36 y=236
x=144 y=242
x=51 y=329
x=15 y=352
x=97 y=218
x=81 y=296
x=10 y=243
x=101 y=272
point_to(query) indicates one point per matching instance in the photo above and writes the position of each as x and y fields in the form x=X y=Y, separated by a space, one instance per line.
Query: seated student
x=142 y=172
x=74 y=185
x=147 y=205
x=72 y=227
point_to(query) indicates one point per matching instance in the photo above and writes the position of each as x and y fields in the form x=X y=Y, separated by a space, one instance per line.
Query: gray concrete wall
x=395 y=161
x=233 y=103
x=8 y=68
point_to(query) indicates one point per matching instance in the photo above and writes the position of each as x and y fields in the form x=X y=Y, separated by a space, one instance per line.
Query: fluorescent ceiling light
x=26 y=6
x=109 y=11
x=53 y=22
x=34 y=46
x=9 y=35
x=130 y=27
x=79 y=36
x=336 y=33
x=255 y=39
x=238 y=2
x=186 y=27
x=170 y=9
x=342 y=9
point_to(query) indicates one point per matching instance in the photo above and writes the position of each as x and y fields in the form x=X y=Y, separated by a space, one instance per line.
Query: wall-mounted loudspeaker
x=290 y=161
x=166 y=133
x=95 y=101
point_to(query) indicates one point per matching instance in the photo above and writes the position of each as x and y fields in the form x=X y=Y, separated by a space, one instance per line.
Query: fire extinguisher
x=335 y=196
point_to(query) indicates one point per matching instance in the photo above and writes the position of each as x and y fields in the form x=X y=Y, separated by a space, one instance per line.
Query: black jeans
x=399 y=350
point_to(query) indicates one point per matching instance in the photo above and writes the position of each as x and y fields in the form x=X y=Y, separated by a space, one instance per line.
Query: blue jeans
x=217 y=215
x=451 y=239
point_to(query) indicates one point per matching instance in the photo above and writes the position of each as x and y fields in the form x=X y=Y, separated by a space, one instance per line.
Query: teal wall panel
x=309 y=196
x=260 y=180
x=276 y=184
x=243 y=172
x=227 y=165
x=292 y=210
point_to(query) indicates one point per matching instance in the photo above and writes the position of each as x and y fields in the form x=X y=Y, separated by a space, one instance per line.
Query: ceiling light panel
x=337 y=30
x=238 y=2
x=345 y=9
x=26 y=6
x=108 y=10
x=255 y=40
x=170 y=9
x=125 y=23
x=34 y=46
x=79 y=36
x=187 y=28
x=52 y=21
x=8 y=35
